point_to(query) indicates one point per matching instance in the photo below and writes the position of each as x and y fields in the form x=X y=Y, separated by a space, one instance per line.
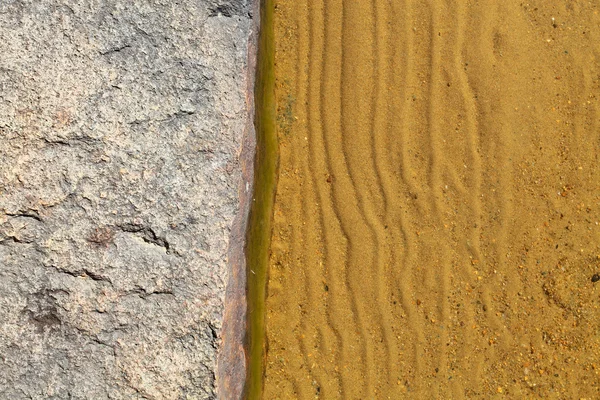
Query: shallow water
x=436 y=219
x=261 y=212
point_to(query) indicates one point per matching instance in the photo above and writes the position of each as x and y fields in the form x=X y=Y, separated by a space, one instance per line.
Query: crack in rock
x=147 y=234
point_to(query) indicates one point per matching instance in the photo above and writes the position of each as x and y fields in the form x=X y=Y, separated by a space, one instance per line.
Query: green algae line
x=261 y=211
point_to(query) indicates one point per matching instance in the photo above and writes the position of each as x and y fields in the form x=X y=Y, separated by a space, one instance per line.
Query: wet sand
x=436 y=222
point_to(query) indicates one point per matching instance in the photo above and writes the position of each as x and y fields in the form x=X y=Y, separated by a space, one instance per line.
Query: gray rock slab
x=122 y=134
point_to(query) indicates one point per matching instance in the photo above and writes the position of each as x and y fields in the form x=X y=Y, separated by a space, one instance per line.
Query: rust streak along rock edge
x=231 y=361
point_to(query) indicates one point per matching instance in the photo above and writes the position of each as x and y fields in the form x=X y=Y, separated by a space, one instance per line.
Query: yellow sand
x=436 y=218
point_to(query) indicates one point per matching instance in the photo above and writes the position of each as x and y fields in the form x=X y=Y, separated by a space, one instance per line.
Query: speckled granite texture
x=124 y=150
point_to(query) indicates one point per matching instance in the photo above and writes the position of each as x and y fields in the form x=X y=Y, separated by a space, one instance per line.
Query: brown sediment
x=232 y=363
x=436 y=219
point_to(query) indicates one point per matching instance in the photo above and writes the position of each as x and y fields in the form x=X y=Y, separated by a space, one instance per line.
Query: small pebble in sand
x=595 y=278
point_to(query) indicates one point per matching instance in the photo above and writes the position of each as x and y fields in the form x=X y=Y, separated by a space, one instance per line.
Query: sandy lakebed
x=436 y=224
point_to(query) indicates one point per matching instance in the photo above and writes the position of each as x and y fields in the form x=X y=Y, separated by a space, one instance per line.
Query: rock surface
x=122 y=125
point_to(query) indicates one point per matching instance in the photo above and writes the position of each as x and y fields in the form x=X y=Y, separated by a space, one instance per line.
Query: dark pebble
x=595 y=278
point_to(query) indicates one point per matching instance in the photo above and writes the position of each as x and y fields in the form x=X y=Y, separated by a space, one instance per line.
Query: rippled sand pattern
x=436 y=220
